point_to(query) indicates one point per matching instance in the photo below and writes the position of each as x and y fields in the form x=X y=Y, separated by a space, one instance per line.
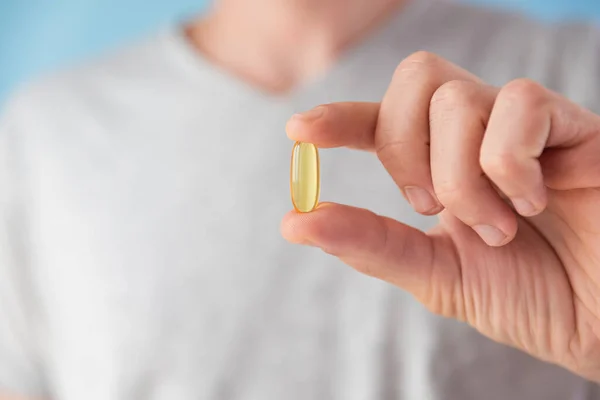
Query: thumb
x=424 y=265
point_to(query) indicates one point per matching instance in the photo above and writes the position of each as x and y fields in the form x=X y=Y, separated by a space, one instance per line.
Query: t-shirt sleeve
x=20 y=356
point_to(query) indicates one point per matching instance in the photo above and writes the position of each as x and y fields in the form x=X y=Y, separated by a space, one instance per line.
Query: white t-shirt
x=140 y=253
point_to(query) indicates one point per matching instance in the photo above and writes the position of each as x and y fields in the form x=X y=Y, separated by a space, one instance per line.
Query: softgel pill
x=305 y=177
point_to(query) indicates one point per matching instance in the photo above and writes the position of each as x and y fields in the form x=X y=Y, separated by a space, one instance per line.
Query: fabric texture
x=140 y=253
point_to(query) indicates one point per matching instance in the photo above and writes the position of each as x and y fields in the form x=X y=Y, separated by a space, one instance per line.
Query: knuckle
x=416 y=62
x=450 y=98
x=377 y=242
x=386 y=150
x=422 y=57
x=499 y=166
x=454 y=93
x=449 y=192
x=391 y=156
x=524 y=93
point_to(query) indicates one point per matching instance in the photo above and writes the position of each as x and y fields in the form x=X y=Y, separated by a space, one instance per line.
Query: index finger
x=347 y=124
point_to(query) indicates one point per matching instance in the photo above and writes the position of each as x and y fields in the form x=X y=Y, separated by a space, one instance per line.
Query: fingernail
x=491 y=235
x=310 y=115
x=524 y=207
x=420 y=199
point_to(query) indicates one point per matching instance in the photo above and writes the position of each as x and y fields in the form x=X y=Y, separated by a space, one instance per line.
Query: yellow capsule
x=305 y=177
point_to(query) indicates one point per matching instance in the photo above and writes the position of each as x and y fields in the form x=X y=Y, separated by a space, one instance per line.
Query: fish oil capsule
x=305 y=177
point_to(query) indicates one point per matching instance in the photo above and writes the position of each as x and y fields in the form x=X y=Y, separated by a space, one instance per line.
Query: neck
x=287 y=45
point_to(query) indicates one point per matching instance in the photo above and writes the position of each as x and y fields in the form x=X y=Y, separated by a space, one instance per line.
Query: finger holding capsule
x=347 y=124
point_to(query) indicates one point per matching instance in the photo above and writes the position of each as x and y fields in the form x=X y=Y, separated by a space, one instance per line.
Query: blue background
x=40 y=35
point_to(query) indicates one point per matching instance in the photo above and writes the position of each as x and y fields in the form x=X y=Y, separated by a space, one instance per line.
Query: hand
x=514 y=174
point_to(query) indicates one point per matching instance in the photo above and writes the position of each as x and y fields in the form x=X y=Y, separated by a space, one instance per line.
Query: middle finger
x=402 y=136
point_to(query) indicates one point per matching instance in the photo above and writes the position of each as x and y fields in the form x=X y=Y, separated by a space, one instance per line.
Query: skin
x=513 y=173
x=537 y=289
x=277 y=45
